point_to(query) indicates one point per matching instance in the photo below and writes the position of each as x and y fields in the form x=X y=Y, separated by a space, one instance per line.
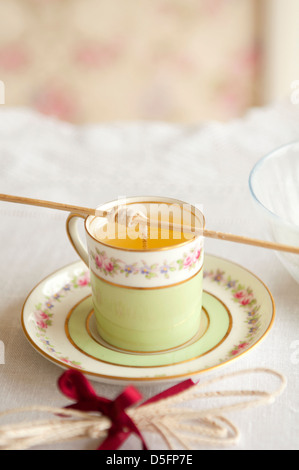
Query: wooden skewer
x=251 y=241
x=85 y=211
x=51 y=205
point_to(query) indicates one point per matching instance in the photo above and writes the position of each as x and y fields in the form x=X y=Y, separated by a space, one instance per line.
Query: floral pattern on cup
x=244 y=296
x=110 y=266
x=43 y=315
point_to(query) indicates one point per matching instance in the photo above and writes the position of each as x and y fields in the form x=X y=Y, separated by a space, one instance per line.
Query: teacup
x=147 y=299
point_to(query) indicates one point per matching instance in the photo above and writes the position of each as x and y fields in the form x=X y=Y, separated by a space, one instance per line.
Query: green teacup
x=145 y=300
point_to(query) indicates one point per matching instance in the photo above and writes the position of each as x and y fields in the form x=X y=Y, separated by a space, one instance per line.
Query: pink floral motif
x=239 y=348
x=246 y=300
x=42 y=315
x=57 y=102
x=13 y=57
x=188 y=262
x=43 y=318
x=244 y=297
x=84 y=280
x=99 y=259
x=105 y=264
x=246 y=60
x=68 y=361
x=42 y=324
x=109 y=266
x=65 y=359
x=98 y=54
x=240 y=294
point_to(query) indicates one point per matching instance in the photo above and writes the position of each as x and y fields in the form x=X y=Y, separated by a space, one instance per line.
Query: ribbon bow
x=74 y=385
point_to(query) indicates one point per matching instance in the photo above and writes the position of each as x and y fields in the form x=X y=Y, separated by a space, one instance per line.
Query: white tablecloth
x=206 y=164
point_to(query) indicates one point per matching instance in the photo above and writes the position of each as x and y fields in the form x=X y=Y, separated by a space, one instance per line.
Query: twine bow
x=169 y=414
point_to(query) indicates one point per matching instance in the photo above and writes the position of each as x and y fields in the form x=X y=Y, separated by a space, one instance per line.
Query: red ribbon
x=74 y=385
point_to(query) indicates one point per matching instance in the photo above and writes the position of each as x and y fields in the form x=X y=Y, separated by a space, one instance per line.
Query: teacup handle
x=74 y=237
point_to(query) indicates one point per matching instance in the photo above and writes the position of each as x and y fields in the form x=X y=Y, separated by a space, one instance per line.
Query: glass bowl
x=274 y=185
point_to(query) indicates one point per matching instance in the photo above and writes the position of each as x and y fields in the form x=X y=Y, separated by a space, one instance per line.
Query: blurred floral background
x=100 y=60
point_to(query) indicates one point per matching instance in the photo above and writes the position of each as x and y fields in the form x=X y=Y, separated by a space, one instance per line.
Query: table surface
x=206 y=164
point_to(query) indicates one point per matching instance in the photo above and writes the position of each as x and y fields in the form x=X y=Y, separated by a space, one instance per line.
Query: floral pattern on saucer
x=243 y=296
x=110 y=266
x=44 y=313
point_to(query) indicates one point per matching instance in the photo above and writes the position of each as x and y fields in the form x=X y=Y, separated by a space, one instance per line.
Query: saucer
x=58 y=320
